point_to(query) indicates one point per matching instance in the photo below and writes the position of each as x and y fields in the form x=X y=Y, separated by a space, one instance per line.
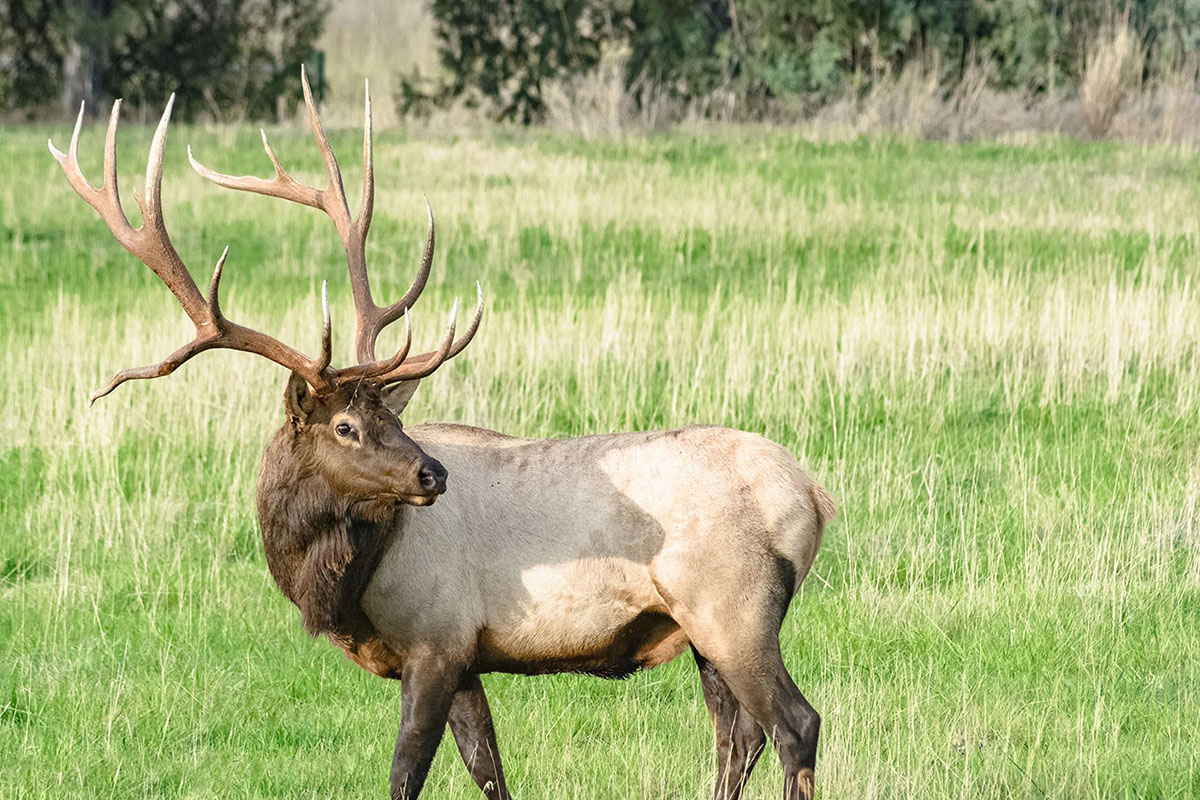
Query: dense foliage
x=223 y=57
x=505 y=52
x=31 y=48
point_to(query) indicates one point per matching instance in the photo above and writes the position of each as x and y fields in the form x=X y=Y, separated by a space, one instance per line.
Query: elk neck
x=320 y=548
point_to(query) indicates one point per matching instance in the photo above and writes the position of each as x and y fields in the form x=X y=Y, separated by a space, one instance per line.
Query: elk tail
x=822 y=503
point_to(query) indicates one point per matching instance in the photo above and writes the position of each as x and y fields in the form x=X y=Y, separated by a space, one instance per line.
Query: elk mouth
x=393 y=499
x=383 y=507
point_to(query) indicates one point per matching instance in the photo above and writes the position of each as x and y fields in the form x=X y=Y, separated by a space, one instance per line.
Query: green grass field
x=988 y=354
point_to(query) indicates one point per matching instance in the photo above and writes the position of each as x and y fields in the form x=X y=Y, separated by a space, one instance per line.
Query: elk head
x=352 y=440
x=342 y=422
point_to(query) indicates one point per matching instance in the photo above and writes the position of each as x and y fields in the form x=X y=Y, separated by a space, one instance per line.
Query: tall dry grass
x=988 y=355
x=1112 y=71
x=374 y=40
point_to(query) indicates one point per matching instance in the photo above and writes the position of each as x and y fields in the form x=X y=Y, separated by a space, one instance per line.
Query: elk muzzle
x=432 y=476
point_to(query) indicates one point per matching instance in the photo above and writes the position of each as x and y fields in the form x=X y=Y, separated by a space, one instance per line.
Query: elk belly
x=600 y=616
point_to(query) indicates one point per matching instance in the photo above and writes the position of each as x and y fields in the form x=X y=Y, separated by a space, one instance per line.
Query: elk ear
x=298 y=399
x=397 y=395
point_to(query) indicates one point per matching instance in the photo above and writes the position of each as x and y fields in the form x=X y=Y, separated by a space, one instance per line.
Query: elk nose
x=432 y=476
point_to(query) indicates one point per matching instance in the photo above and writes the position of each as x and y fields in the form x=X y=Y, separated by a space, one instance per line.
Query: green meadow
x=989 y=354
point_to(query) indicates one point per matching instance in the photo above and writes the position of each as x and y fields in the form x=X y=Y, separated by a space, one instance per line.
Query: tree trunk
x=83 y=64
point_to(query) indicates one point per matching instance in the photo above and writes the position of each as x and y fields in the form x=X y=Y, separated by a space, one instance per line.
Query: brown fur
x=320 y=557
x=324 y=538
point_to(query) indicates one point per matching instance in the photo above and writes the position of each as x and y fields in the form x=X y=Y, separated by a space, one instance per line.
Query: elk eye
x=343 y=429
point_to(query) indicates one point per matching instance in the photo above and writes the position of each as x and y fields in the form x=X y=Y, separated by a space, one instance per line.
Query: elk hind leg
x=765 y=689
x=739 y=635
x=740 y=740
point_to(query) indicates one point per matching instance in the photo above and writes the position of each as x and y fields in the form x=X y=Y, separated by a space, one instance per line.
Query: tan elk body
x=602 y=555
x=589 y=554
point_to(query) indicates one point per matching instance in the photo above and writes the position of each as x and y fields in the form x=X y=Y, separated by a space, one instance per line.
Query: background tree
x=33 y=41
x=222 y=57
x=504 y=53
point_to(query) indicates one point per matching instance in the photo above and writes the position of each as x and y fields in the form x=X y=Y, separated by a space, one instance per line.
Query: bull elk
x=601 y=555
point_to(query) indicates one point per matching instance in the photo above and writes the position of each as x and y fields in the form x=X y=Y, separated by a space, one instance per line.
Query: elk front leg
x=475 y=735
x=427 y=690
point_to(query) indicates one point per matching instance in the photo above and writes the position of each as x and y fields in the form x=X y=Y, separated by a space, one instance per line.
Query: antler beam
x=371 y=318
x=151 y=244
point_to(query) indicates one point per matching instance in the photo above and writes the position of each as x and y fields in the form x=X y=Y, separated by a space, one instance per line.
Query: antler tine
x=176 y=359
x=326 y=356
x=474 y=326
x=150 y=201
x=374 y=369
x=420 y=367
x=151 y=244
x=425 y=364
x=335 y=200
x=422 y=277
x=331 y=200
x=110 y=152
x=214 y=286
x=282 y=185
x=159 y=370
x=368 y=187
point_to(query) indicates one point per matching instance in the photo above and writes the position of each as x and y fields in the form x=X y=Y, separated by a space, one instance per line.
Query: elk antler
x=371 y=318
x=151 y=244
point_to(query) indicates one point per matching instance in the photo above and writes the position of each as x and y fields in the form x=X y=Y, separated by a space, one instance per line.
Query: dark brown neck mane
x=320 y=554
